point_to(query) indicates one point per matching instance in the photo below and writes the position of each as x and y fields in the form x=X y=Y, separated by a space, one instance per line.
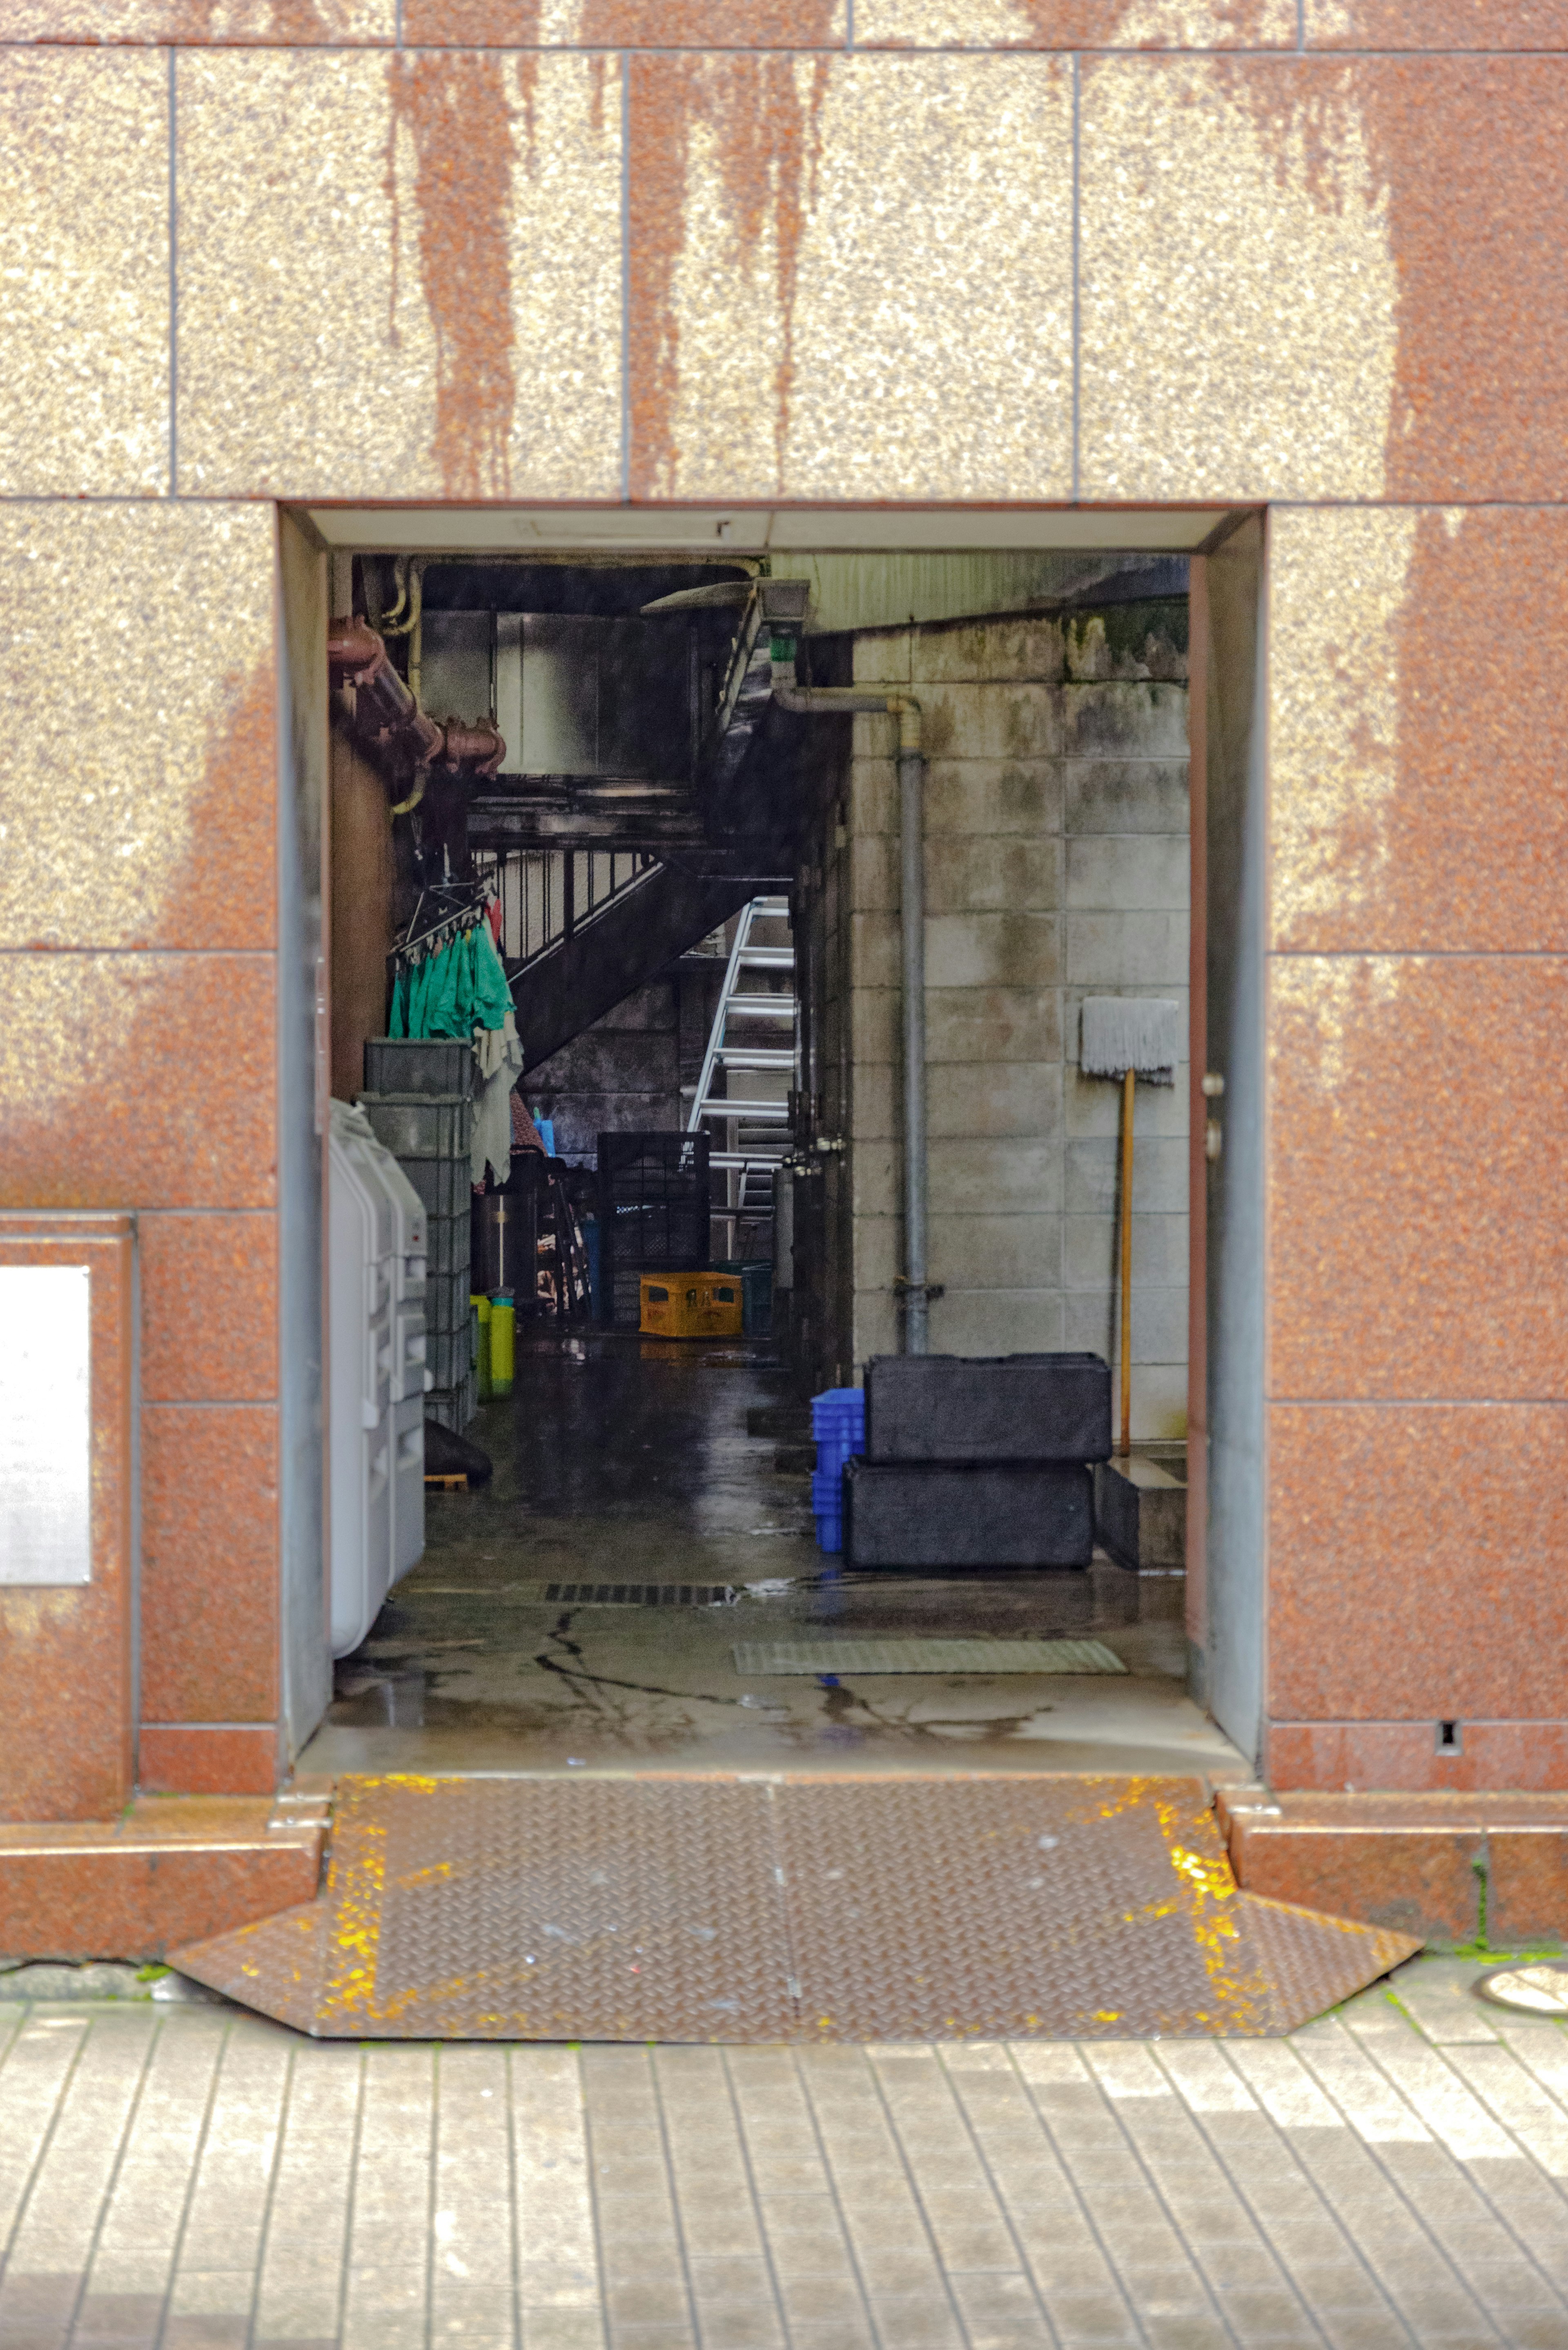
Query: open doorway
x=692 y=891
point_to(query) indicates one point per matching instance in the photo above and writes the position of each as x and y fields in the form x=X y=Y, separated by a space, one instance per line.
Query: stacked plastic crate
x=973 y=1461
x=839 y=1424
x=417 y=1099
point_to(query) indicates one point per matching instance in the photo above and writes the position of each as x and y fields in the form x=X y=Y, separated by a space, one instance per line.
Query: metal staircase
x=746 y=1044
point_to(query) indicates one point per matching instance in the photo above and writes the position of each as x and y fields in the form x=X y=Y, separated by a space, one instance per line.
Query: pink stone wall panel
x=629 y=24
x=209 y=1564
x=1415 y=794
x=1417 y=1561
x=1076 y=24
x=207 y=1759
x=1379 y=318
x=209 y=1308
x=139 y=1080
x=1357 y=1755
x=1417 y=1112
x=1476 y=25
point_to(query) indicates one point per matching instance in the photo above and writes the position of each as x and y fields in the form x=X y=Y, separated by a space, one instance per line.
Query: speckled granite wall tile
x=1238 y=296
x=1076 y=24
x=1435 y=24
x=141 y=1080
x=1315 y=279
x=1415 y=797
x=400 y=276
x=209 y=1564
x=84 y=265
x=269 y=24
x=1394 y=1536
x=629 y=24
x=851 y=277
x=1417 y=1108
x=209 y=1308
x=137 y=726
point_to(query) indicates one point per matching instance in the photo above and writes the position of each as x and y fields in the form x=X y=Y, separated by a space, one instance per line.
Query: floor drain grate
x=641 y=1595
x=764 y=1657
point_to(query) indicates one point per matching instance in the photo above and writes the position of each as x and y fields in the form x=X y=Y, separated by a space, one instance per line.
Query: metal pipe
x=830 y=700
x=912 y=925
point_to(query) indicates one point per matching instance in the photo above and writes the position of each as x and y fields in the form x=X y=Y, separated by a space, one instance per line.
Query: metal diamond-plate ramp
x=869 y=1908
x=532 y=1909
x=1018 y=1908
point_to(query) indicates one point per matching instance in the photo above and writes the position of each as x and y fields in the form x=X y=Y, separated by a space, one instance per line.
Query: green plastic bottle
x=503 y=1338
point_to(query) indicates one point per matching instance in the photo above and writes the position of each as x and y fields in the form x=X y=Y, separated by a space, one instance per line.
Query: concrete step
x=1140 y=1509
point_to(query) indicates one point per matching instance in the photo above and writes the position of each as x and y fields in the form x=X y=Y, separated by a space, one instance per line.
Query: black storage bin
x=444 y=1185
x=653 y=1209
x=419 y=1065
x=916 y=1513
x=419 y=1126
x=448 y=1302
x=1002 y=1408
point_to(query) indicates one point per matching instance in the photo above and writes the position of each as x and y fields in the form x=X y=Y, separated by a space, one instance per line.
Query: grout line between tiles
x=1078 y=307
x=625 y=56
x=173 y=489
x=1245 y=2197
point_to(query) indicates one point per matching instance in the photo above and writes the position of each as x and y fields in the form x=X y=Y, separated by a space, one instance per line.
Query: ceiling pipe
x=836 y=701
x=388 y=717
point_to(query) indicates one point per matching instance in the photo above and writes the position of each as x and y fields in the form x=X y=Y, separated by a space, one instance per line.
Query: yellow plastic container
x=503 y=1337
x=482 y=1363
x=692 y=1305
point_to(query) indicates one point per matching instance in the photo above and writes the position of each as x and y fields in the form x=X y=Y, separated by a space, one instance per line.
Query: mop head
x=1131 y=1031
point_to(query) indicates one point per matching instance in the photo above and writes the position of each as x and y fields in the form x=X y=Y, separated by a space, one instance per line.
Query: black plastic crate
x=1002 y=1408
x=444 y=1185
x=447 y=1303
x=425 y=1064
x=420 y=1126
x=448 y=1241
x=454 y=1406
x=918 y=1514
x=653 y=1207
x=448 y=1354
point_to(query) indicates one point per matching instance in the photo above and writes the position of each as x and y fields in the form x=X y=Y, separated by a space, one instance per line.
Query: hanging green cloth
x=491 y=996
x=462 y=985
x=443 y=1010
x=397 y=1025
x=418 y=996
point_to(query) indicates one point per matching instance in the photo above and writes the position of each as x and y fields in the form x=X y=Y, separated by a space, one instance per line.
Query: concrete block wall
x=1056 y=866
x=627 y=1071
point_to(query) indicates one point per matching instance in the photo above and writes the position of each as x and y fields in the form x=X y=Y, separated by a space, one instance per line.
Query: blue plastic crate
x=829 y=1530
x=839 y=1424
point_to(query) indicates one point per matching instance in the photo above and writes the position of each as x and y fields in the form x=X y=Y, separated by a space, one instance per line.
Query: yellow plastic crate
x=692 y=1305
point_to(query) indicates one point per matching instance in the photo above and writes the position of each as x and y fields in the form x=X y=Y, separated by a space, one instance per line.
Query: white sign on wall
x=45 y=1424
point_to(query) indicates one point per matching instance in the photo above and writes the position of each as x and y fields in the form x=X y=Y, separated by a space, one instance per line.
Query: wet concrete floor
x=622 y=1460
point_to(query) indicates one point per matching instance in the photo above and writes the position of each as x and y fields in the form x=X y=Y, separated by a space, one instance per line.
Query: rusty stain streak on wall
x=766 y=139
x=1478 y=220
x=456 y=111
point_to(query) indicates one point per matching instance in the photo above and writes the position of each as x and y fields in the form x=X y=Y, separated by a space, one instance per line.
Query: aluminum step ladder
x=756 y=1118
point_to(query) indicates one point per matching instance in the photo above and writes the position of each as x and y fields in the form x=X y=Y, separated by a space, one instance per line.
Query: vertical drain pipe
x=836 y=701
x=912 y=926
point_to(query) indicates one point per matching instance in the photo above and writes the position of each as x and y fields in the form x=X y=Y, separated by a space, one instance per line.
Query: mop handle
x=1127 y=1084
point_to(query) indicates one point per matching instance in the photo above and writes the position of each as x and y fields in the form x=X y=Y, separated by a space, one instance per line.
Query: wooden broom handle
x=1127 y=1084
